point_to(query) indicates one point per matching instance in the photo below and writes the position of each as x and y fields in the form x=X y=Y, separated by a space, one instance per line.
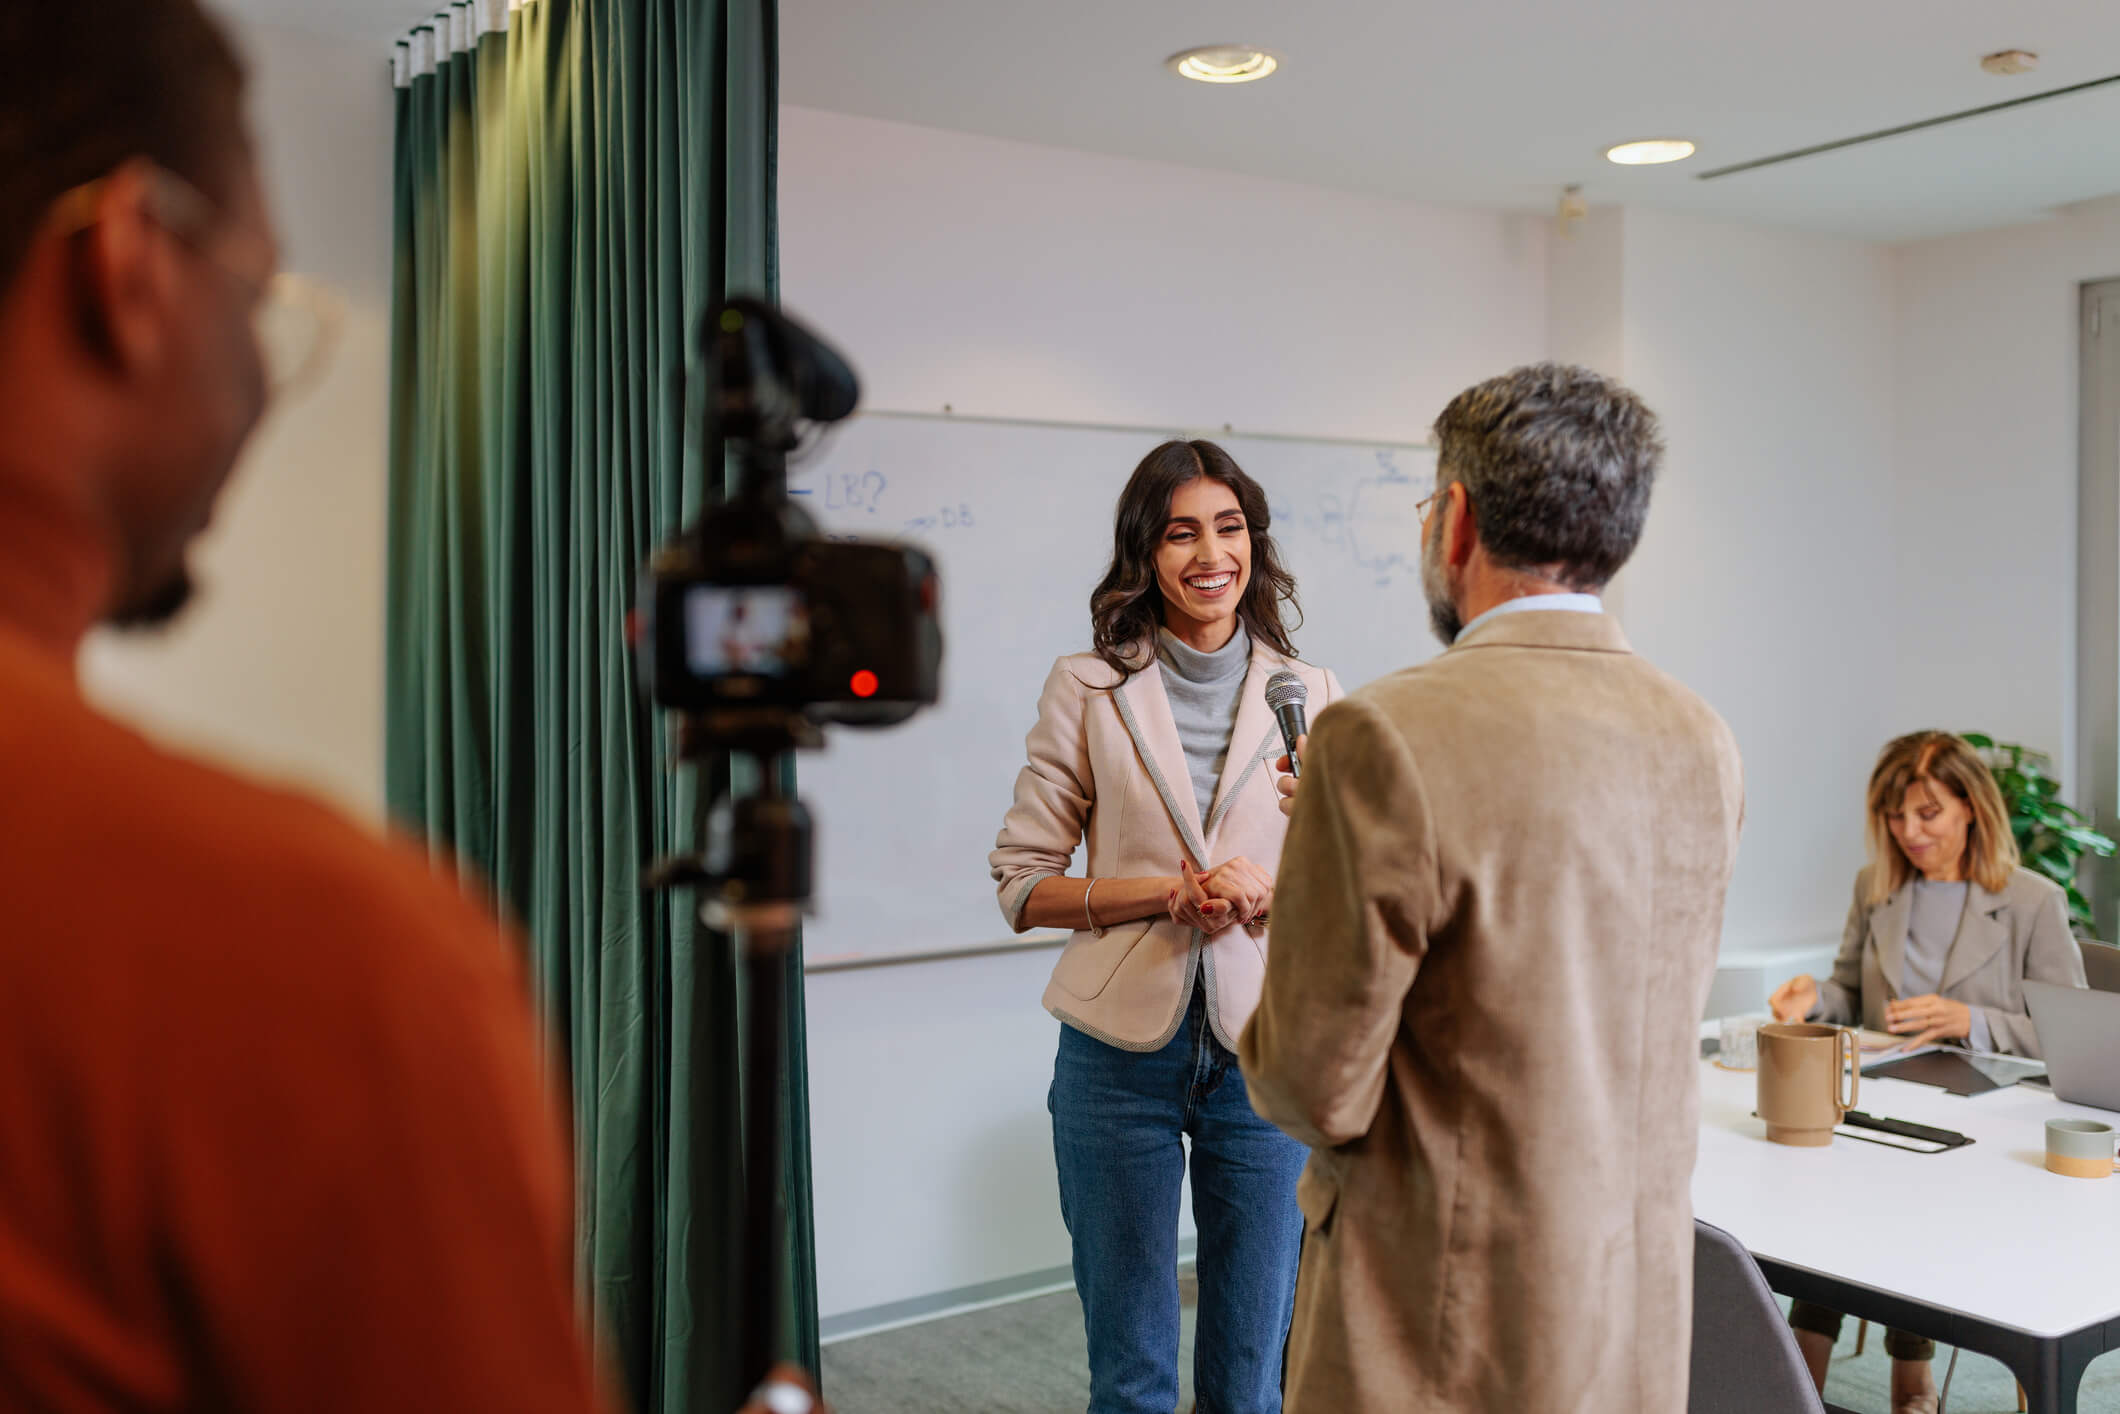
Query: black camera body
x=756 y=611
x=752 y=622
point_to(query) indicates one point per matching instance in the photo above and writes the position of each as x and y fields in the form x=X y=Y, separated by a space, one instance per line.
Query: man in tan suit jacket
x=1494 y=931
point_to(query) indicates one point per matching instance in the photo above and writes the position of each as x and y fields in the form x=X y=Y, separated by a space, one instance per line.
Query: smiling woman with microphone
x=1156 y=748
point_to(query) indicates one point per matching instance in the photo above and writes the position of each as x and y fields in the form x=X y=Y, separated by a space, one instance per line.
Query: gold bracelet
x=1087 y=916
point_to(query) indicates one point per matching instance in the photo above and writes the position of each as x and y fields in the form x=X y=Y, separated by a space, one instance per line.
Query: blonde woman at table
x=1943 y=932
x=1156 y=750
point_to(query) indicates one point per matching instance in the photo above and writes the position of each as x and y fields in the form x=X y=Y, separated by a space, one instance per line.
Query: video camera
x=752 y=621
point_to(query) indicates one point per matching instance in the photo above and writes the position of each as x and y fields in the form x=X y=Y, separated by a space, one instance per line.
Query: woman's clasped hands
x=1234 y=891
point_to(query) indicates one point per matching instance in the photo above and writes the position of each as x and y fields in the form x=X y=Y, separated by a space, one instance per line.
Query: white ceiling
x=1491 y=102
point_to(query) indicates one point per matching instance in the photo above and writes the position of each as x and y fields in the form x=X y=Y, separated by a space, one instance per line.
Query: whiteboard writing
x=1019 y=519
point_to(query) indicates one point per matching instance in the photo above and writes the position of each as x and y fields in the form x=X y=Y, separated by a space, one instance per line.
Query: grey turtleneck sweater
x=1203 y=689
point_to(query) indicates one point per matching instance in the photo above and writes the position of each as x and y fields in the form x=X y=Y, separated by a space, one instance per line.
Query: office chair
x=2101 y=965
x=1745 y=1359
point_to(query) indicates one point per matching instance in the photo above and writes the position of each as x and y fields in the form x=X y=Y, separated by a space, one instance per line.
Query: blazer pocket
x=1087 y=964
x=1318 y=1194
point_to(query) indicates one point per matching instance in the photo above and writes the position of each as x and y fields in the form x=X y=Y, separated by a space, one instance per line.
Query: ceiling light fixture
x=2011 y=61
x=1650 y=151
x=1222 y=63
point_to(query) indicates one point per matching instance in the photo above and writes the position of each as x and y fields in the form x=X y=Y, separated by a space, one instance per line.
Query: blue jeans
x=1117 y=1118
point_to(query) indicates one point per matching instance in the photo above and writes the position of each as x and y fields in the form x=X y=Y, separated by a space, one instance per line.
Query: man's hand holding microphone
x=1288 y=697
x=1285 y=778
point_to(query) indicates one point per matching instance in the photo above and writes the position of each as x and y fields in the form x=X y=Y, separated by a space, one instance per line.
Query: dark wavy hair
x=1127 y=607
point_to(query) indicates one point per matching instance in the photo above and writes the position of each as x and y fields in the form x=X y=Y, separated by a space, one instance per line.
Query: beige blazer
x=1495 y=930
x=1105 y=765
x=2002 y=939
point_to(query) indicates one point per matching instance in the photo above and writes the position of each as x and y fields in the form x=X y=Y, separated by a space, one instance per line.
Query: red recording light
x=864 y=684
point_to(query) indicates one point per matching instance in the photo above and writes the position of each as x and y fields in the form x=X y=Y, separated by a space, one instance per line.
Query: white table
x=1978 y=1247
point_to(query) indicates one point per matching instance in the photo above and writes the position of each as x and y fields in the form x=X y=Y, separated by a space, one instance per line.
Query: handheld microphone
x=1286 y=695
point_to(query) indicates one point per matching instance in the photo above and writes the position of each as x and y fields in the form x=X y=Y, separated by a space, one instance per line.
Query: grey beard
x=1443 y=614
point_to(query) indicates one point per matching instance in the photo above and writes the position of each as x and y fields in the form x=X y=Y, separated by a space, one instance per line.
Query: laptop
x=2079 y=1029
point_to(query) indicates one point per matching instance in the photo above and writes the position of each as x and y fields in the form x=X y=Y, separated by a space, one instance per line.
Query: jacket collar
x=1889 y=921
x=1252 y=737
x=1982 y=932
x=1547 y=628
x=1144 y=708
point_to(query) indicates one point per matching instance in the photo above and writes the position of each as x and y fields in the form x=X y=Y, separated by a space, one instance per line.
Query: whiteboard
x=1018 y=516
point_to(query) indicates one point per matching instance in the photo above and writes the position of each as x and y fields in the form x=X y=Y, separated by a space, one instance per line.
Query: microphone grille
x=1285 y=689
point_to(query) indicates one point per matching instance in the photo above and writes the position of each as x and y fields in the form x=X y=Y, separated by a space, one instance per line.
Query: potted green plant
x=2052 y=836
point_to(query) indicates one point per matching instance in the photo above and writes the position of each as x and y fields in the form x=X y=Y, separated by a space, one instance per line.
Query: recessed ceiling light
x=1650 y=151
x=2010 y=61
x=1223 y=63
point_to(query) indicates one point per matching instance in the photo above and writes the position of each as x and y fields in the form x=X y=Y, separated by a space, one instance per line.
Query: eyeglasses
x=1420 y=507
x=296 y=320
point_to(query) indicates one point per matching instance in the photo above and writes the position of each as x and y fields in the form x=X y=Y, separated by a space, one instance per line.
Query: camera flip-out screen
x=734 y=630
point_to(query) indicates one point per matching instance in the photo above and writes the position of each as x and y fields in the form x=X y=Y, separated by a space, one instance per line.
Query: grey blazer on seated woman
x=2002 y=939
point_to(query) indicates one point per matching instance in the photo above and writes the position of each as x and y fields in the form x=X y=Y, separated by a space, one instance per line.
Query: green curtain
x=575 y=187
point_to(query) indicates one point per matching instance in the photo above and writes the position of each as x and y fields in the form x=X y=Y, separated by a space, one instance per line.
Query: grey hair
x=1558 y=462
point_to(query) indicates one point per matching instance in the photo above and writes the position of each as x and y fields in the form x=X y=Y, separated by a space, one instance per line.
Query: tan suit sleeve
x=1840 y=996
x=1054 y=792
x=1358 y=882
x=2050 y=955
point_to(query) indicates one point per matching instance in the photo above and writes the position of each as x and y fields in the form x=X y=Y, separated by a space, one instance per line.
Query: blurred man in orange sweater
x=273 y=1132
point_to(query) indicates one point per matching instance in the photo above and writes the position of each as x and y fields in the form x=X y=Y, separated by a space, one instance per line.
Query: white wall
x=1013 y=280
x=1586 y=293
x=1986 y=365
x=278 y=668
x=1765 y=579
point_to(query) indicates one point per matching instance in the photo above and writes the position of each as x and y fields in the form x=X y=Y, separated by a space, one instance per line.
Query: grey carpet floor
x=1979 y=1385
x=1028 y=1358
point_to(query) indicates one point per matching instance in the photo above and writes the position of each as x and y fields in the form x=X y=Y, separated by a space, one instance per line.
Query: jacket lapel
x=1982 y=932
x=1144 y=707
x=1889 y=924
x=1250 y=738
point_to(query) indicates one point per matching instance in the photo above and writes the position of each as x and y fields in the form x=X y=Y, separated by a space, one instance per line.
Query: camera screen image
x=733 y=630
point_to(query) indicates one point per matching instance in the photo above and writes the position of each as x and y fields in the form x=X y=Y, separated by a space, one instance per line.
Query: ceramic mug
x=2079 y=1148
x=1800 y=1070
